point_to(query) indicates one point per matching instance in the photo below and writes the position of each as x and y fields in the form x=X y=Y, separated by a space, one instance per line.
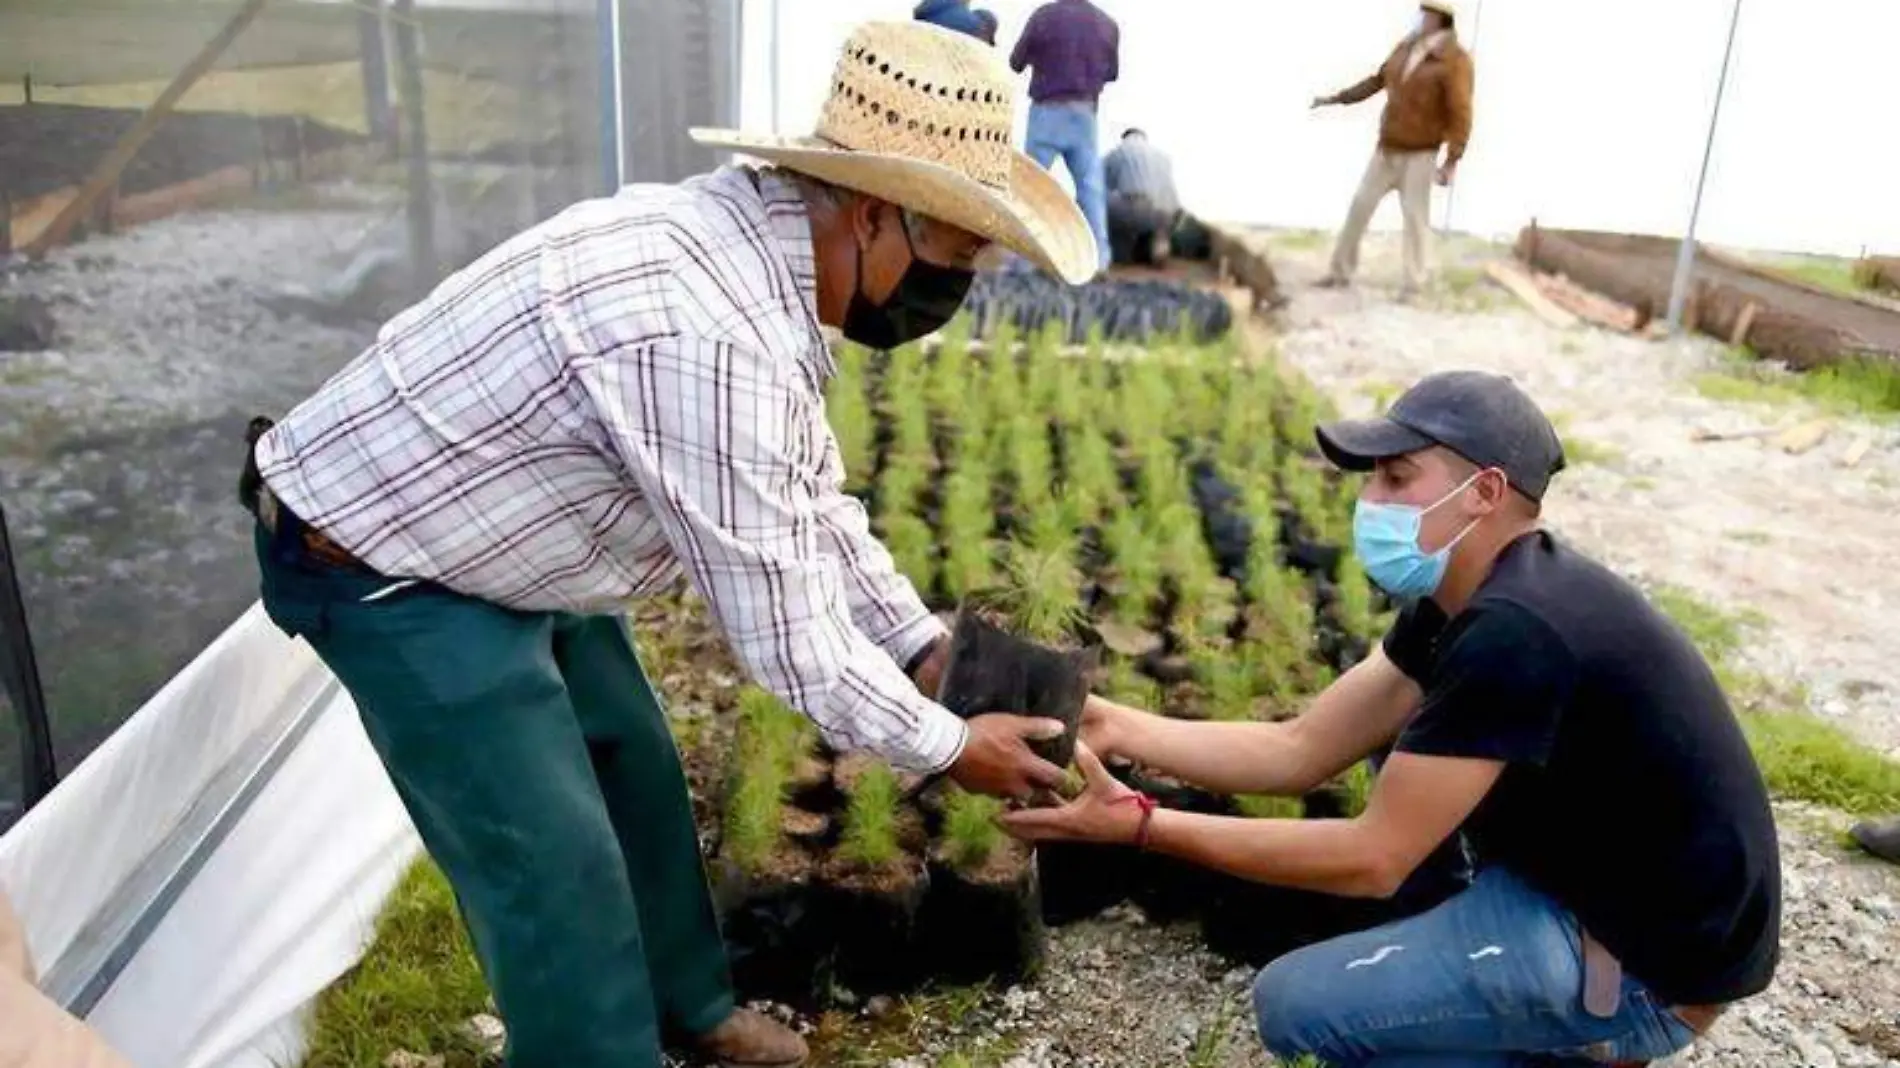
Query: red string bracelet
x=1148 y=806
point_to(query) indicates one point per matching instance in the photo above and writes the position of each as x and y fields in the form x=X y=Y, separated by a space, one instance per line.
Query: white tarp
x=284 y=902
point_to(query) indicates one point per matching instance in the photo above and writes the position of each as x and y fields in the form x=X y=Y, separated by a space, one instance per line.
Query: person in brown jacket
x=1427 y=81
x=34 y=1031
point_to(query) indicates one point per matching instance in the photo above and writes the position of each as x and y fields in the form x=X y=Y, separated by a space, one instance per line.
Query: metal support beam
x=1685 y=255
x=613 y=128
x=422 y=248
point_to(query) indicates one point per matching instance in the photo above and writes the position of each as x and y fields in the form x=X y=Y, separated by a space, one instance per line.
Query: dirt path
x=1798 y=540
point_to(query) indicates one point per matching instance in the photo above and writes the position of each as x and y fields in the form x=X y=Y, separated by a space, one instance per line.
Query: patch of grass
x=1809 y=759
x=1300 y=240
x=851 y=1041
x=1802 y=757
x=1269 y=807
x=1579 y=451
x=1716 y=631
x=1749 y=537
x=1828 y=272
x=870 y=819
x=1859 y=387
x=1643 y=483
x=415 y=986
x=969 y=827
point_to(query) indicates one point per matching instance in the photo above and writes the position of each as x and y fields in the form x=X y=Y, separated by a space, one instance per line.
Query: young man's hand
x=997 y=760
x=1105 y=726
x=1104 y=812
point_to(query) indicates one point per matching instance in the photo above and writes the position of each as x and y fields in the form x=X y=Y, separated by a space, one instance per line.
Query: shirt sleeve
x=1020 y=56
x=717 y=438
x=1413 y=637
x=1498 y=689
x=884 y=603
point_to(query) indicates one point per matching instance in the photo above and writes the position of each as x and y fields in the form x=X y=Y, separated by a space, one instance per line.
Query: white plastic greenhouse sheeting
x=284 y=903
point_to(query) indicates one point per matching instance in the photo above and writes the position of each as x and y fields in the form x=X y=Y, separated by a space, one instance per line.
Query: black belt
x=256 y=496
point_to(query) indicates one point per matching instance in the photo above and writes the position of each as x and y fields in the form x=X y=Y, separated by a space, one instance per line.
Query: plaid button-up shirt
x=633 y=386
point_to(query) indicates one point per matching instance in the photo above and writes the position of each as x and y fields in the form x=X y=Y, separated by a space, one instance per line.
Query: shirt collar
x=788 y=220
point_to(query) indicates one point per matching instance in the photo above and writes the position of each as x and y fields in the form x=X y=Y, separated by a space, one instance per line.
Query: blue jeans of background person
x=1067 y=129
x=1489 y=979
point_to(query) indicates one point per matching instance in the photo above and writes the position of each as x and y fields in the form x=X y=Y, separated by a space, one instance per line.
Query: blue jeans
x=1068 y=130
x=1492 y=978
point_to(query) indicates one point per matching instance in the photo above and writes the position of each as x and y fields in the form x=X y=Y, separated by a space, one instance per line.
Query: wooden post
x=26 y=83
x=416 y=135
x=106 y=174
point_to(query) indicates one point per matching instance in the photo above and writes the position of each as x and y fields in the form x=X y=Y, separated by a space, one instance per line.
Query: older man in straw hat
x=1427 y=81
x=629 y=391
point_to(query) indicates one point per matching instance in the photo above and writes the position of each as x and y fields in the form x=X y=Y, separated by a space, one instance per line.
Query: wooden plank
x=1589 y=306
x=1743 y=323
x=105 y=175
x=1705 y=434
x=1514 y=278
x=1857 y=451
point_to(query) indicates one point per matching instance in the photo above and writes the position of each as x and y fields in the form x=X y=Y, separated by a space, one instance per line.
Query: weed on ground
x=1854 y=387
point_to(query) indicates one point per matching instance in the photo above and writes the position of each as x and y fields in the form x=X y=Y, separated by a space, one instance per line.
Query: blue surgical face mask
x=1385 y=538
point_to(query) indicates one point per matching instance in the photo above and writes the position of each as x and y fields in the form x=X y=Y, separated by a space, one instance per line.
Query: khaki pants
x=1411 y=174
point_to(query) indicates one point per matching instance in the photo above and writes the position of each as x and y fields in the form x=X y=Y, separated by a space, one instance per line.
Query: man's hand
x=997 y=760
x=1104 y=812
x=1447 y=172
x=1105 y=726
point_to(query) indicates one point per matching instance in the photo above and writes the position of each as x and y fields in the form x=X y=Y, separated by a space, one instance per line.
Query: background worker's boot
x=749 y=1039
x=1880 y=837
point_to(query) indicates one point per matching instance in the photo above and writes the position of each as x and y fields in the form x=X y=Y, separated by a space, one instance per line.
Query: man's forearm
x=1227 y=758
x=1330 y=856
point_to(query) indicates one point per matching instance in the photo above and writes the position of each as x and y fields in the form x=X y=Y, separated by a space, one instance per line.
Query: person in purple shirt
x=1074 y=49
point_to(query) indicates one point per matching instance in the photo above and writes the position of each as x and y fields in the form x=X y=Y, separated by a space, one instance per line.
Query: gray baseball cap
x=1482 y=417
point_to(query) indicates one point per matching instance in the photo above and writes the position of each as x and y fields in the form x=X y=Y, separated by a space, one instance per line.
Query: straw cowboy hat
x=1443 y=7
x=922 y=117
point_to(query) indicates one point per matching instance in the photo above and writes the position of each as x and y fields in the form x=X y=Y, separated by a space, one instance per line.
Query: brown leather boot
x=749 y=1039
x=1880 y=837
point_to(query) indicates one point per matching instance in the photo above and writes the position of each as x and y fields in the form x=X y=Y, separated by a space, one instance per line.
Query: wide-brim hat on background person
x=1443 y=7
x=923 y=117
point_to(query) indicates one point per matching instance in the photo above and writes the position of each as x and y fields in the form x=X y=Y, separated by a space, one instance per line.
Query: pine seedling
x=848 y=411
x=1136 y=567
x=913 y=548
x=1269 y=807
x=1130 y=687
x=870 y=819
x=969 y=827
x=1042 y=595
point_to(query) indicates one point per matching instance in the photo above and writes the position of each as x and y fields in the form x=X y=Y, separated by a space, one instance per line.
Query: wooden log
x=1856 y=451
x=105 y=176
x=1518 y=281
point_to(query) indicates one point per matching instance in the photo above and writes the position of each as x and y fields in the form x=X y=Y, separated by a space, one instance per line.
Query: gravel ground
x=120 y=444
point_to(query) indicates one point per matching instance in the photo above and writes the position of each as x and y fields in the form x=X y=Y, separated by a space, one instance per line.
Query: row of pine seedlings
x=1164 y=505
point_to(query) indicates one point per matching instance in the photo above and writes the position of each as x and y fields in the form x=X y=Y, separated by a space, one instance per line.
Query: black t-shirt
x=1629 y=794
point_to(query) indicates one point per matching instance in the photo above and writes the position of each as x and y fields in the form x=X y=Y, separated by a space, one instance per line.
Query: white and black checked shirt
x=633 y=385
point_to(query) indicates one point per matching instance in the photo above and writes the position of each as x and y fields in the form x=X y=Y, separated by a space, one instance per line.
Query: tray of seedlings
x=1158 y=528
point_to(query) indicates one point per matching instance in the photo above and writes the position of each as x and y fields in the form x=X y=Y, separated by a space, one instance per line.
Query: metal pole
x=1451 y=191
x=612 y=129
x=1685 y=256
x=773 y=44
x=422 y=247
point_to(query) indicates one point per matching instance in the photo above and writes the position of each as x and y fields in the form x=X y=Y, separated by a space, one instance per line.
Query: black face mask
x=924 y=299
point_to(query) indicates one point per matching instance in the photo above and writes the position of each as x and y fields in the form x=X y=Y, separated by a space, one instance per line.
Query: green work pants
x=534 y=758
